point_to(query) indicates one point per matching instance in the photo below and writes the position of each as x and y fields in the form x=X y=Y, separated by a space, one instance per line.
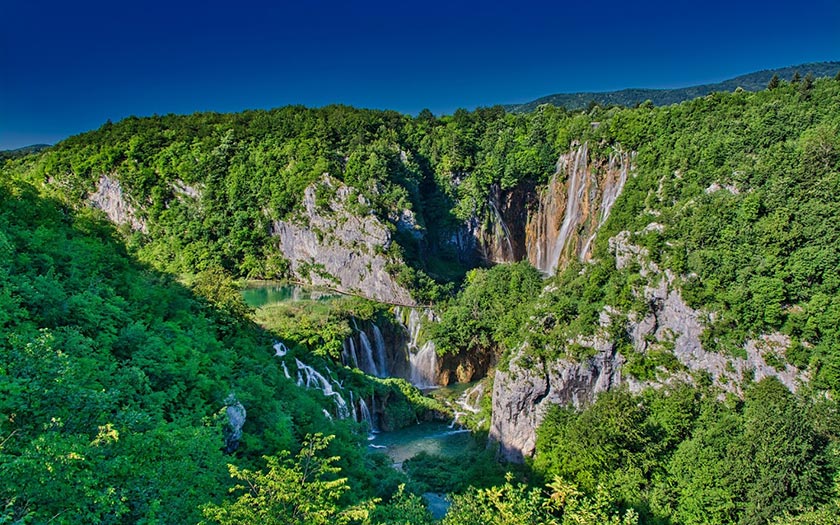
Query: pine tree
x=774 y=82
x=796 y=78
x=806 y=86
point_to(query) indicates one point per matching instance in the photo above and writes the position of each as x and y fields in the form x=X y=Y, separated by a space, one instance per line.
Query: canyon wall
x=554 y=224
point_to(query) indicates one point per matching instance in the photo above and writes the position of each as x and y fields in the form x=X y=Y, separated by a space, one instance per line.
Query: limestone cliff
x=329 y=245
x=555 y=223
x=523 y=392
x=109 y=198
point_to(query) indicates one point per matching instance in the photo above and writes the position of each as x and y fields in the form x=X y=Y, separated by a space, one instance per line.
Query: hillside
x=646 y=300
x=663 y=97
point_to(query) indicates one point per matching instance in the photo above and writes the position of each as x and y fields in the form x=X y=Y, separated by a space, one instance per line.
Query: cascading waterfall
x=368 y=364
x=365 y=415
x=422 y=360
x=619 y=164
x=574 y=205
x=424 y=366
x=313 y=377
x=379 y=343
x=575 y=189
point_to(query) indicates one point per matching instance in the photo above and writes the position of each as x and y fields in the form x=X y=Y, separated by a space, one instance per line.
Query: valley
x=611 y=315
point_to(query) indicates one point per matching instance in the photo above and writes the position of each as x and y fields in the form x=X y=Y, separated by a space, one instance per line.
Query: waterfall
x=619 y=162
x=315 y=380
x=280 y=349
x=575 y=188
x=501 y=230
x=367 y=361
x=365 y=415
x=285 y=370
x=379 y=344
x=424 y=366
x=422 y=361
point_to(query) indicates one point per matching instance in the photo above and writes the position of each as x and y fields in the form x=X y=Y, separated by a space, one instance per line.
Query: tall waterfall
x=379 y=344
x=368 y=364
x=574 y=206
x=619 y=166
x=575 y=188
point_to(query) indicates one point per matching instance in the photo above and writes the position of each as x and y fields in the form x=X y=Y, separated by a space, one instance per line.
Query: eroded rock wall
x=330 y=246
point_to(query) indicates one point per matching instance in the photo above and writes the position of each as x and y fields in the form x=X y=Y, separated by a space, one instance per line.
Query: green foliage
x=300 y=491
x=681 y=456
x=487 y=313
x=114 y=380
x=515 y=504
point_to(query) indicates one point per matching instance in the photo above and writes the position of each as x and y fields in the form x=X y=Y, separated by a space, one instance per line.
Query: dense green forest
x=123 y=350
x=756 y=81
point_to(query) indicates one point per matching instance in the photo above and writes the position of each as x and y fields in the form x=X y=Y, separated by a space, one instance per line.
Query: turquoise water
x=257 y=295
x=431 y=437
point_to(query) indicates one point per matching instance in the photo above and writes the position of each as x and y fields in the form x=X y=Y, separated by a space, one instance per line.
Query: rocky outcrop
x=573 y=206
x=554 y=224
x=235 y=415
x=109 y=198
x=669 y=320
x=328 y=245
x=523 y=392
x=500 y=237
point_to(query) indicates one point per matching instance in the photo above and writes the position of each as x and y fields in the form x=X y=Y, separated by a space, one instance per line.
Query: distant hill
x=663 y=97
x=20 y=152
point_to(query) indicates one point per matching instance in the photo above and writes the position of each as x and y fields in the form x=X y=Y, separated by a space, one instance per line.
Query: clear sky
x=67 y=67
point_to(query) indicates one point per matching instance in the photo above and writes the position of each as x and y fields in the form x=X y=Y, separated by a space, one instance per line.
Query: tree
x=303 y=491
x=774 y=82
x=796 y=78
x=806 y=86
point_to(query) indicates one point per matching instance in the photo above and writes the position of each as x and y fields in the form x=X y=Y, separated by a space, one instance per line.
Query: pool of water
x=257 y=294
x=430 y=437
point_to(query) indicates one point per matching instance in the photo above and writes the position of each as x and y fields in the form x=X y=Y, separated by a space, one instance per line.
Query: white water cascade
x=379 y=344
x=619 y=163
x=368 y=364
x=365 y=415
x=576 y=187
x=422 y=360
x=315 y=380
x=424 y=366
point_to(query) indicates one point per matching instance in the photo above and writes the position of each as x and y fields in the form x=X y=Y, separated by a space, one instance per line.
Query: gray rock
x=523 y=392
x=335 y=248
x=232 y=431
x=109 y=198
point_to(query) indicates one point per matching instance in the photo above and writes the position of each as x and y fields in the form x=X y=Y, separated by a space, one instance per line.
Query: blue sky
x=67 y=67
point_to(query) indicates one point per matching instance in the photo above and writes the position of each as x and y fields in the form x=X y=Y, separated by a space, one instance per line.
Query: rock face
x=235 y=413
x=523 y=392
x=555 y=224
x=109 y=198
x=574 y=205
x=330 y=246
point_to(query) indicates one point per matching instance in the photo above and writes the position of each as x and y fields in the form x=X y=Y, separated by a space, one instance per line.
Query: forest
x=127 y=351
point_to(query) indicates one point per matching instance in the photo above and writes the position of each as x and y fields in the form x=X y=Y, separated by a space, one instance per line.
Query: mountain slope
x=662 y=97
